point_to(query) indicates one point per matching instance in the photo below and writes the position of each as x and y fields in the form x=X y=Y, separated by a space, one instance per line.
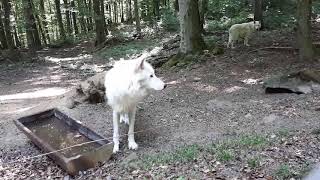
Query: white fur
x=128 y=83
x=242 y=31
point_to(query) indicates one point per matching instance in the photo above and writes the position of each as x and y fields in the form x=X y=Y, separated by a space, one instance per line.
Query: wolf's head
x=146 y=76
x=257 y=25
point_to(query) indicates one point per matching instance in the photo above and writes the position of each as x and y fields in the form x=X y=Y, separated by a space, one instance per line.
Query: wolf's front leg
x=116 y=134
x=131 y=142
x=246 y=40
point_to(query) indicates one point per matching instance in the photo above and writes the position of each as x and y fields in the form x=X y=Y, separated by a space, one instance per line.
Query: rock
x=248 y=116
x=66 y=177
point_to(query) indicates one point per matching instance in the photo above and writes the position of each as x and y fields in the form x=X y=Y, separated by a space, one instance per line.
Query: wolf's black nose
x=164 y=86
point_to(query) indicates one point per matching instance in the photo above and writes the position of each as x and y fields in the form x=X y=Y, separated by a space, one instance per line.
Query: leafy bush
x=170 y=21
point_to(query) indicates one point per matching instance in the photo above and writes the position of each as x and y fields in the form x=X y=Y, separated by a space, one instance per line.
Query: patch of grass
x=283 y=172
x=253 y=162
x=225 y=155
x=251 y=141
x=283 y=132
x=126 y=49
x=316 y=131
x=183 y=154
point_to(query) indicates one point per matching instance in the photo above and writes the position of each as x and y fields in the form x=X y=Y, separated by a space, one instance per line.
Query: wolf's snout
x=165 y=86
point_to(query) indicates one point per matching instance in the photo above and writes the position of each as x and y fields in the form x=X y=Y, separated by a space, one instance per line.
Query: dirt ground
x=209 y=102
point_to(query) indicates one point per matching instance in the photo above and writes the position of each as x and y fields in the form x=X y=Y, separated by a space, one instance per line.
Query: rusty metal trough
x=52 y=130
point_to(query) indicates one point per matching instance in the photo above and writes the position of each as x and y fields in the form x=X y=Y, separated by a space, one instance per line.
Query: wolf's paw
x=115 y=148
x=124 y=119
x=247 y=45
x=133 y=145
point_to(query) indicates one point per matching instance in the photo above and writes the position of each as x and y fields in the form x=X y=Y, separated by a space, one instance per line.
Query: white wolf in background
x=242 y=31
x=128 y=83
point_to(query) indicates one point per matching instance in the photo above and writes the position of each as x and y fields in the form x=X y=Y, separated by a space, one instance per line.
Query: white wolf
x=128 y=83
x=242 y=31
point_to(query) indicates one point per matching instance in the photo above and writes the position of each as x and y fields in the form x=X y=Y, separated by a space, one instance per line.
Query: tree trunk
x=122 y=12
x=115 y=12
x=81 y=7
x=137 y=18
x=59 y=18
x=98 y=18
x=90 y=15
x=3 y=38
x=43 y=34
x=16 y=38
x=44 y=20
x=258 y=11
x=176 y=5
x=203 y=11
x=33 y=39
x=67 y=13
x=129 y=12
x=103 y=17
x=7 y=26
x=190 y=29
x=74 y=18
x=304 y=30
x=156 y=9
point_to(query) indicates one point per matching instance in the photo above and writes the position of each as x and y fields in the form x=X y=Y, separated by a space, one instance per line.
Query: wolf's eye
x=151 y=76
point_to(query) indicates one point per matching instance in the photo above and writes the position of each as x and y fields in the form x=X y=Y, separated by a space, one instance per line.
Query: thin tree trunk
x=306 y=51
x=67 y=13
x=115 y=12
x=81 y=7
x=122 y=12
x=43 y=34
x=3 y=38
x=137 y=18
x=176 y=6
x=74 y=18
x=258 y=12
x=90 y=14
x=35 y=31
x=16 y=38
x=7 y=26
x=59 y=18
x=129 y=12
x=100 y=32
x=156 y=9
x=103 y=16
x=44 y=20
x=33 y=39
x=191 y=39
x=110 y=13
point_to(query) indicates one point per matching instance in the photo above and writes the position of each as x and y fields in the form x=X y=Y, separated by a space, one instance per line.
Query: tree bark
x=74 y=18
x=190 y=29
x=33 y=39
x=90 y=15
x=137 y=17
x=156 y=9
x=7 y=24
x=176 y=5
x=115 y=12
x=258 y=11
x=98 y=18
x=44 y=20
x=81 y=7
x=67 y=13
x=129 y=12
x=306 y=51
x=3 y=38
x=59 y=18
x=103 y=17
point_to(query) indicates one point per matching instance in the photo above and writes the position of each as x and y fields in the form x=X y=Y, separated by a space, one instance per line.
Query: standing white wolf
x=242 y=31
x=128 y=83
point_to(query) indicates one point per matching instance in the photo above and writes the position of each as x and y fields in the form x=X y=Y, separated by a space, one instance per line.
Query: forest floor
x=210 y=124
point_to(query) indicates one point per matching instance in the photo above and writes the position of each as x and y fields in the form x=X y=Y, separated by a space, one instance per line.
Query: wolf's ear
x=140 y=65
